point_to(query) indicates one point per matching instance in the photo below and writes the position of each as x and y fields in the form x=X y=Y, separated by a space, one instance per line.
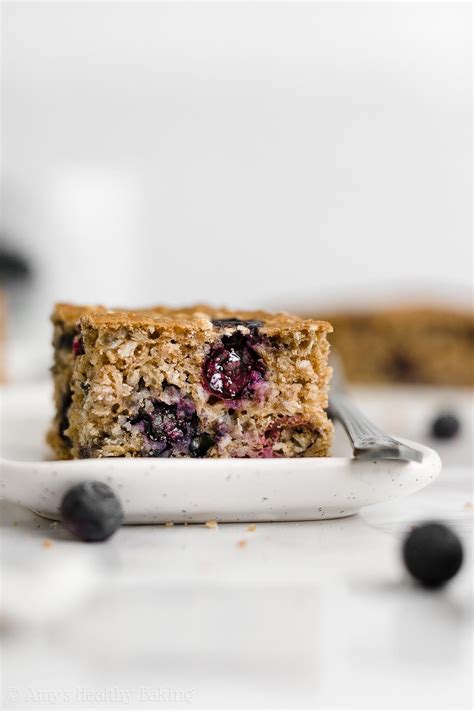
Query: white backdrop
x=270 y=154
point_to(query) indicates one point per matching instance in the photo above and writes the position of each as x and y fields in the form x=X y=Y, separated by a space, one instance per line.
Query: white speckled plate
x=196 y=490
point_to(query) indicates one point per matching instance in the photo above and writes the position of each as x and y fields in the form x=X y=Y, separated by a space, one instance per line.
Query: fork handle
x=368 y=441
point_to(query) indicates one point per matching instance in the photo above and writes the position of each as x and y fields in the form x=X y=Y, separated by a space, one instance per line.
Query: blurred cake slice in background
x=429 y=345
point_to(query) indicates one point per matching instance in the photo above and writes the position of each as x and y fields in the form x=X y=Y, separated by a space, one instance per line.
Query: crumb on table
x=47 y=543
x=242 y=543
x=251 y=527
x=212 y=523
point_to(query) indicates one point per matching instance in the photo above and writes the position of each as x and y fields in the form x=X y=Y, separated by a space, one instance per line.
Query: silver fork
x=367 y=440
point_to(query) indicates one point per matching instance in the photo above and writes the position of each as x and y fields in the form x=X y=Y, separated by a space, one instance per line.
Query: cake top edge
x=182 y=320
x=69 y=314
x=201 y=315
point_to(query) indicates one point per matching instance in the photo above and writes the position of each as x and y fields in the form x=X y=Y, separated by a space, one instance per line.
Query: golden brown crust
x=184 y=320
x=69 y=314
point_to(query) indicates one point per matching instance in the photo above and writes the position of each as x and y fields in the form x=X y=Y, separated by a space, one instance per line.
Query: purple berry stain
x=171 y=428
x=77 y=346
x=233 y=368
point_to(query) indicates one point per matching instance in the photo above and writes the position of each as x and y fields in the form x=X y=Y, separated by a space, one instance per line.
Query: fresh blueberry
x=91 y=511
x=233 y=367
x=445 y=426
x=200 y=445
x=433 y=554
x=234 y=322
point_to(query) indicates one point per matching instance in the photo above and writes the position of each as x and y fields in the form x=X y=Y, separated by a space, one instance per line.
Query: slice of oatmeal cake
x=196 y=382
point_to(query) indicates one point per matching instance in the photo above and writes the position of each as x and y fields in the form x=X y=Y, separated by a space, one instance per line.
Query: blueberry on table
x=91 y=511
x=432 y=554
x=445 y=426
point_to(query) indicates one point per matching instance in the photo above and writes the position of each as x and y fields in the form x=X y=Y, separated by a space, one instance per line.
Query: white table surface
x=315 y=614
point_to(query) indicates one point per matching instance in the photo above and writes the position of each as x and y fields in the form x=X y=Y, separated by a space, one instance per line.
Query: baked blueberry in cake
x=195 y=382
